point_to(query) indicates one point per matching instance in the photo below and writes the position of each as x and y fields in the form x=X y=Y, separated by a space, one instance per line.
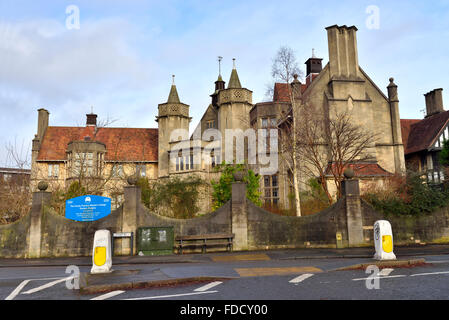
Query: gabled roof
x=419 y=135
x=122 y=144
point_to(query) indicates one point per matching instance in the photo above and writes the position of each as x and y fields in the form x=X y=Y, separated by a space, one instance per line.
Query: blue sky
x=121 y=59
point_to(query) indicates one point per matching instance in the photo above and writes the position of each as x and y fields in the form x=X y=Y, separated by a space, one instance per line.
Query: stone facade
x=169 y=151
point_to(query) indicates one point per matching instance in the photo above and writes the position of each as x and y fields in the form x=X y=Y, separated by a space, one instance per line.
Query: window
x=53 y=170
x=117 y=171
x=184 y=162
x=116 y=201
x=269 y=122
x=83 y=163
x=141 y=170
x=210 y=124
x=271 y=190
x=214 y=160
x=264 y=123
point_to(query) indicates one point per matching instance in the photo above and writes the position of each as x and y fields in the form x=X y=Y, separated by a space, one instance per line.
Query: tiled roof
x=281 y=94
x=365 y=170
x=122 y=144
x=418 y=135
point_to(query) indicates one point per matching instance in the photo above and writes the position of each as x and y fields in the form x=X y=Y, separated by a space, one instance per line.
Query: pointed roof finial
x=173 y=96
x=234 y=81
x=233 y=63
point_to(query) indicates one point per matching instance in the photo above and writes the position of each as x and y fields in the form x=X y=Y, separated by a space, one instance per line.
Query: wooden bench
x=204 y=240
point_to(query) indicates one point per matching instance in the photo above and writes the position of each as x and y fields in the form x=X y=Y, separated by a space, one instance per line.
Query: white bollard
x=101 y=253
x=383 y=241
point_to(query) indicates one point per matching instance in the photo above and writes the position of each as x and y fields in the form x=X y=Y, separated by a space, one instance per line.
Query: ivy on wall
x=222 y=189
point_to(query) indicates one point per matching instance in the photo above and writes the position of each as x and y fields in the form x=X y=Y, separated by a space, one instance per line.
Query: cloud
x=43 y=64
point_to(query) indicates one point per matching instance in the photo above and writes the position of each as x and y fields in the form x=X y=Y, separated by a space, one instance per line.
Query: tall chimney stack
x=42 y=123
x=343 y=56
x=434 y=102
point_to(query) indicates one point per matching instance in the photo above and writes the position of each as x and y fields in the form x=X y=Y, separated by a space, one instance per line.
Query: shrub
x=172 y=197
x=412 y=197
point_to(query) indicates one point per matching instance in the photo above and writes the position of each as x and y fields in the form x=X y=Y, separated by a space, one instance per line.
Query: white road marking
x=385 y=272
x=383 y=277
x=301 y=278
x=48 y=285
x=173 y=295
x=108 y=295
x=208 y=286
x=17 y=290
x=428 y=274
x=22 y=285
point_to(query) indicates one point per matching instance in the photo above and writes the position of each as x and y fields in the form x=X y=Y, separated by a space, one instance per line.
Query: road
x=262 y=279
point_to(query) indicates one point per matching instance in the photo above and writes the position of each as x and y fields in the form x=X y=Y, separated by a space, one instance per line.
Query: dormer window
x=85 y=158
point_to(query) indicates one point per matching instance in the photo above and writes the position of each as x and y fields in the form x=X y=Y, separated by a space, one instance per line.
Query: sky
x=119 y=56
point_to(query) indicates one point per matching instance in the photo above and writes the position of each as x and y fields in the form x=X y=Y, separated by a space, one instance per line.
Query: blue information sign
x=87 y=208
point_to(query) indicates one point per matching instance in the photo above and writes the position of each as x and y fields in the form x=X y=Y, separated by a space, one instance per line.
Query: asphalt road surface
x=307 y=279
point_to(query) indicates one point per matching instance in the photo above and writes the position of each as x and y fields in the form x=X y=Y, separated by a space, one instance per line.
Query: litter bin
x=154 y=241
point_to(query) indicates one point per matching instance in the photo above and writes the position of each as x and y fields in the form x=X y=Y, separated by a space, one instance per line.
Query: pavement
x=285 y=254
x=128 y=272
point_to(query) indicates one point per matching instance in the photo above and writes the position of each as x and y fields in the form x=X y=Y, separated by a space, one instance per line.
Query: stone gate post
x=132 y=195
x=351 y=192
x=239 y=213
x=39 y=200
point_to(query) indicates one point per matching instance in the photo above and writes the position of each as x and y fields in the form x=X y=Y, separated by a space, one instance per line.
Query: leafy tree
x=444 y=154
x=222 y=189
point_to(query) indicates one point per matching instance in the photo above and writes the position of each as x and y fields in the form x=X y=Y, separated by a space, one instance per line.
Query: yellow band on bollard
x=100 y=256
x=387 y=243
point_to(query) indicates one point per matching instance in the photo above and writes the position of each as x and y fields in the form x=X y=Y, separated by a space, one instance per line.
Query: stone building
x=340 y=86
x=61 y=154
x=423 y=138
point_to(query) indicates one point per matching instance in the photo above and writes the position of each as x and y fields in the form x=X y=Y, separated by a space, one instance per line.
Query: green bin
x=154 y=241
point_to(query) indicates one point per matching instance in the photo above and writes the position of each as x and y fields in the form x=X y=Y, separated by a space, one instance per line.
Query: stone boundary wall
x=43 y=233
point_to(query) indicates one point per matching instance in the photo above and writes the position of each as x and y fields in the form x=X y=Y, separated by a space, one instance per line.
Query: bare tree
x=325 y=145
x=15 y=193
x=285 y=69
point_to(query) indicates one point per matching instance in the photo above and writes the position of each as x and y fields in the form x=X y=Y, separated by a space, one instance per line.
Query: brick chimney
x=434 y=102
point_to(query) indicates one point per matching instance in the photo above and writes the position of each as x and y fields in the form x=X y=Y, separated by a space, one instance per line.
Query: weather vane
x=219 y=64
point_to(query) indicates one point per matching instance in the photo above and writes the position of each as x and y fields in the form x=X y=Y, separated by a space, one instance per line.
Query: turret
x=172 y=115
x=234 y=104
x=313 y=67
